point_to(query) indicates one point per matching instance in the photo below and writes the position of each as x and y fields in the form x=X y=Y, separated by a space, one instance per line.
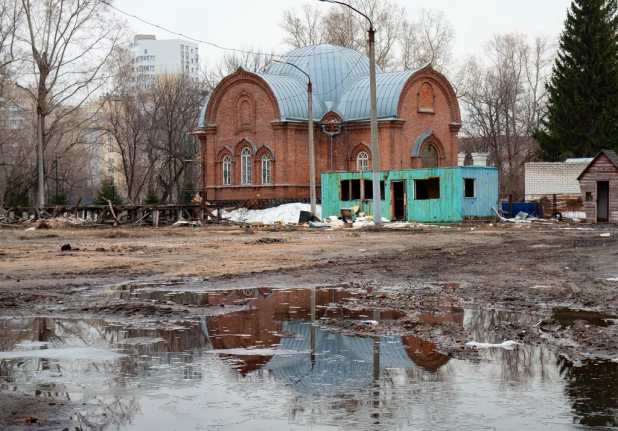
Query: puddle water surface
x=268 y=367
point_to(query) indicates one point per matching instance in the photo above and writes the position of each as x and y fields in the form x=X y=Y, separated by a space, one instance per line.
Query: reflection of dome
x=330 y=67
x=342 y=364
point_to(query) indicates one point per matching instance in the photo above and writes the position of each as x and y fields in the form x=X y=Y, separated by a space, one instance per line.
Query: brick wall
x=226 y=133
x=553 y=178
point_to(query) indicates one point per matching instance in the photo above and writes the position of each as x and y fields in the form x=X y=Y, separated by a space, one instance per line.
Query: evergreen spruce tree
x=583 y=93
x=108 y=192
x=151 y=197
x=59 y=199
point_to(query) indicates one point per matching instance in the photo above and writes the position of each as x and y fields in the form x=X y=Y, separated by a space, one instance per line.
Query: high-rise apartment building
x=170 y=56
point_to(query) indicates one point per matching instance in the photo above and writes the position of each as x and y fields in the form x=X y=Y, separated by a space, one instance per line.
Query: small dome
x=330 y=67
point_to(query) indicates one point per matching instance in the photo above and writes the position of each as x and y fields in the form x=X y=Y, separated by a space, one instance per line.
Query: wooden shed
x=599 y=186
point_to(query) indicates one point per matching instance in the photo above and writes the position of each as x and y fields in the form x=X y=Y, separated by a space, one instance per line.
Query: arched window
x=245 y=114
x=227 y=171
x=362 y=161
x=245 y=166
x=266 y=169
x=425 y=98
x=430 y=157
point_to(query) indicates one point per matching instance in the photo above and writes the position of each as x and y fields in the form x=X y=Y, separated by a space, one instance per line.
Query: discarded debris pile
x=108 y=215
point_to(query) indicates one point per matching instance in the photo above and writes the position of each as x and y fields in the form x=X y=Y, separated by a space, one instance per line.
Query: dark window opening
x=369 y=189
x=350 y=190
x=469 y=188
x=430 y=157
x=427 y=189
x=589 y=197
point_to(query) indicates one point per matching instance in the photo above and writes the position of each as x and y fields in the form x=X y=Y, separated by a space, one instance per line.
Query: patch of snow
x=32 y=344
x=85 y=353
x=579 y=215
x=605 y=235
x=289 y=213
x=398 y=225
x=508 y=345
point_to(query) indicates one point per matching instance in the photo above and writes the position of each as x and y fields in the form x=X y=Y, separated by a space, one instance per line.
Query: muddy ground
x=533 y=268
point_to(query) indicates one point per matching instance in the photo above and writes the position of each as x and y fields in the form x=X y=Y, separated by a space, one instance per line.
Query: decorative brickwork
x=425 y=98
x=249 y=110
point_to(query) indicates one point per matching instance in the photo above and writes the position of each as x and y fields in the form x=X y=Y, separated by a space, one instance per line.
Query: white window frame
x=227 y=171
x=245 y=166
x=362 y=161
x=266 y=169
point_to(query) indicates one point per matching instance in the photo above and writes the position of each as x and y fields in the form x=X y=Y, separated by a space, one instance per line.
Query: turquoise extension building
x=433 y=195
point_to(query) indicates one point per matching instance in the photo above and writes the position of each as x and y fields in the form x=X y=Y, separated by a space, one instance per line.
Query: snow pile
x=576 y=215
x=289 y=213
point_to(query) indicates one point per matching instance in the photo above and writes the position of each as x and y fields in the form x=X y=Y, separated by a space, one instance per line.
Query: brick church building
x=253 y=129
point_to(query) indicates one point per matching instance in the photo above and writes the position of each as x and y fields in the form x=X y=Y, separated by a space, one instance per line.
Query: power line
x=181 y=34
x=242 y=51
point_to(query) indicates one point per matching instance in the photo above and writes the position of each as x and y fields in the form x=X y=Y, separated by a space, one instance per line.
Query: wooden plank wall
x=601 y=169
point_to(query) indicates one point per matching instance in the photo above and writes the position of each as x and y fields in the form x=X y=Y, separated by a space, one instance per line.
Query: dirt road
x=534 y=268
x=561 y=277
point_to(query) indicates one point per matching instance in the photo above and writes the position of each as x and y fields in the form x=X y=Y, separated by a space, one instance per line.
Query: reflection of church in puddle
x=310 y=359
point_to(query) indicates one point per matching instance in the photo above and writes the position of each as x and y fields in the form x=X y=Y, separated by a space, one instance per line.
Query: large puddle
x=268 y=367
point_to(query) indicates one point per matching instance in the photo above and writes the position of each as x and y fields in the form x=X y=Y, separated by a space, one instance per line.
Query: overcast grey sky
x=238 y=23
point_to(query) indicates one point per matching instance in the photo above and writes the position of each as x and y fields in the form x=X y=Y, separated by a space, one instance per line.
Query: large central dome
x=330 y=67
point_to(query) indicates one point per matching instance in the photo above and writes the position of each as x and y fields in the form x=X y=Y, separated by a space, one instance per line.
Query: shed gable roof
x=611 y=155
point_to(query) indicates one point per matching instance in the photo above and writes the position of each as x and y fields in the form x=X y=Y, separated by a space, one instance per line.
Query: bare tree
x=70 y=42
x=123 y=120
x=503 y=100
x=429 y=39
x=252 y=59
x=10 y=15
x=303 y=26
x=172 y=108
x=342 y=26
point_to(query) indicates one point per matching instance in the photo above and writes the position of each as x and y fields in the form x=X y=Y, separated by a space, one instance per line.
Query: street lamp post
x=312 y=197
x=375 y=155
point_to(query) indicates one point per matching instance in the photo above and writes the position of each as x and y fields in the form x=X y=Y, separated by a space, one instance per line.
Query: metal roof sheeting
x=331 y=68
x=340 y=78
x=354 y=103
x=291 y=94
x=343 y=364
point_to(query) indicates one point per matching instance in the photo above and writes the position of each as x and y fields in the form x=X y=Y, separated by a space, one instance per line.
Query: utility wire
x=242 y=51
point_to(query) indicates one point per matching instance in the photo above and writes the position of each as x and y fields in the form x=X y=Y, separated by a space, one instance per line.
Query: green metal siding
x=450 y=207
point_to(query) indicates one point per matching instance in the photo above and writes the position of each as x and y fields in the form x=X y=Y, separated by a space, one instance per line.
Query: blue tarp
x=532 y=208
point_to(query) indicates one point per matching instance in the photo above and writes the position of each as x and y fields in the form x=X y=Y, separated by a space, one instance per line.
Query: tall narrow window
x=227 y=171
x=430 y=157
x=245 y=165
x=362 y=161
x=266 y=168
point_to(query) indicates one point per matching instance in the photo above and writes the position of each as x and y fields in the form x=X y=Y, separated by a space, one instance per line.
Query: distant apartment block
x=158 y=57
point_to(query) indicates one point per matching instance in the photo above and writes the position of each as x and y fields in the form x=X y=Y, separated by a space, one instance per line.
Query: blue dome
x=331 y=68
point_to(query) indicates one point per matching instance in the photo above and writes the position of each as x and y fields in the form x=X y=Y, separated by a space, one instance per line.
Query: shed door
x=603 y=201
x=398 y=200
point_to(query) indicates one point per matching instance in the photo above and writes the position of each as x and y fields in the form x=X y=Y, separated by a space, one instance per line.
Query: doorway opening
x=603 y=201
x=398 y=200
